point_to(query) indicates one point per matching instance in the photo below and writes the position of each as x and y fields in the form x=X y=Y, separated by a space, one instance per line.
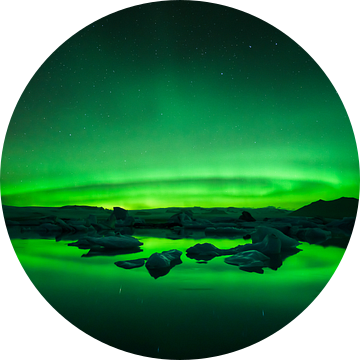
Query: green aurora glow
x=179 y=104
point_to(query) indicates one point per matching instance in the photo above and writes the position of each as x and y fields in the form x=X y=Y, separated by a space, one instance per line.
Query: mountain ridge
x=337 y=209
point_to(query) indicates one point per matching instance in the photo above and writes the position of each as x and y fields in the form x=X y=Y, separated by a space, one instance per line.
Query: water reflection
x=227 y=303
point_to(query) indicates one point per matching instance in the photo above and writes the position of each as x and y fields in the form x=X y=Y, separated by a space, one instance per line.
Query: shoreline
x=77 y=222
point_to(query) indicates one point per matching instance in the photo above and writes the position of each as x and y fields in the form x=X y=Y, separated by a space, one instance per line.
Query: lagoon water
x=199 y=309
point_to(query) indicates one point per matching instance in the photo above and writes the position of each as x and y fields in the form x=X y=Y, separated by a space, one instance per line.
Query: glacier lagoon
x=198 y=309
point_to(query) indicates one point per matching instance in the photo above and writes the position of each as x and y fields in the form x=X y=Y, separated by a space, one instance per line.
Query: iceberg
x=114 y=242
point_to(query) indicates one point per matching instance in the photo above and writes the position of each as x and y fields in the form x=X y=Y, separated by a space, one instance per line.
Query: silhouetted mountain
x=336 y=209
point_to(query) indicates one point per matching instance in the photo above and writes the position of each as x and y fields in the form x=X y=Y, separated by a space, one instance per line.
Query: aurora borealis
x=179 y=104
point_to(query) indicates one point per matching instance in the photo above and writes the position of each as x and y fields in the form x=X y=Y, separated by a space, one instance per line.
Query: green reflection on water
x=196 y=310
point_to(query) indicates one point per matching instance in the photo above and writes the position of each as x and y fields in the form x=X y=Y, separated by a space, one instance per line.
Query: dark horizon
x=316 y=202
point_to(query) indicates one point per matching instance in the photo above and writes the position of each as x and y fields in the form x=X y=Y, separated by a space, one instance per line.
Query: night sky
x=179 y=104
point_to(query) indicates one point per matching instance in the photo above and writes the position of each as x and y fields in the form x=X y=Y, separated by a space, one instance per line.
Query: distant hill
x=65 y=212
x=336 y=209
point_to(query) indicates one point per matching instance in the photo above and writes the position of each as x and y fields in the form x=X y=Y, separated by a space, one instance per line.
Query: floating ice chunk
x=163 y=260
x=346 y=225
x=49 y=228
x=313 y=235
x=261 y=232
x=114 y=242
x=248 y=259
x=228 y=231
x=130 y=264
x=246 y=216
x=271 y=245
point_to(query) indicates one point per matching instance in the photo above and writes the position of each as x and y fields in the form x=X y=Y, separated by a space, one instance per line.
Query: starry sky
x=179 y=104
